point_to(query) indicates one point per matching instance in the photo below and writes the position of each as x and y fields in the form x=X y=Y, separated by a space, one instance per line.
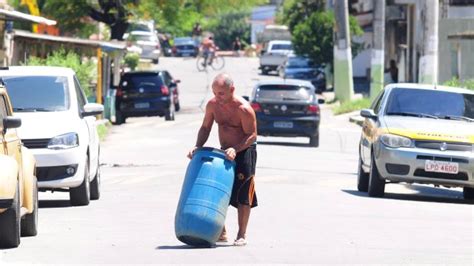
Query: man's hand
x=230 y=154
x=191 y=152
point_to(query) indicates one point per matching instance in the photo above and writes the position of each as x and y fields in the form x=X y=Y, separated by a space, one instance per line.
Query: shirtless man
x=237 y=136
x=208 y=49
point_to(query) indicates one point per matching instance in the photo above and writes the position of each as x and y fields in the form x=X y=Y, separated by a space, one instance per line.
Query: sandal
x=240 y=242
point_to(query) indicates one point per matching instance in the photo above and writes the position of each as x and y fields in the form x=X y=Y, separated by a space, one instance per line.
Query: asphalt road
x=309 y=208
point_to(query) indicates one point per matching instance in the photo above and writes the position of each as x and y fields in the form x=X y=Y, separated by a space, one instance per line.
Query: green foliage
x=455 y=82
x=85 y=71
x=296 y=11
x=131 y=60
x=228 y=26
x=314 y=37
x=352 y=106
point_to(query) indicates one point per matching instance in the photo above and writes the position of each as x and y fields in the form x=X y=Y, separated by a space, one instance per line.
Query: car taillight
x=313 y=109
x=119 y=92
x=173 y=49
x=165 y=90
x=256 y=107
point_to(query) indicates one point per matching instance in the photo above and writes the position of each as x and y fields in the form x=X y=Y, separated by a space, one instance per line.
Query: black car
x=185 y=46
x=146 y=93
x=300 y=67
x=287 y=108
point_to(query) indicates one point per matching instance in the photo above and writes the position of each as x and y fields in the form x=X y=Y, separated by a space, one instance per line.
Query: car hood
x=430 y=129
x=43 y=125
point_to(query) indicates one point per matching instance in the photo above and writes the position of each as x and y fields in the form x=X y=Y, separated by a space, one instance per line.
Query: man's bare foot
x=222 y=238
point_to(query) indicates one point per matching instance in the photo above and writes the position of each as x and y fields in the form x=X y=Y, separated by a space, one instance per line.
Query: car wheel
x=264 y=71
x=376 y=183
x=362 y=178
x=177 y=107
x=468 y=193
x=29 y=224
x=119 y=118
x=95 y=186
x=155 y=61
x=80 y=196
x=169 y=116
x=314 y=141
x=10 y=224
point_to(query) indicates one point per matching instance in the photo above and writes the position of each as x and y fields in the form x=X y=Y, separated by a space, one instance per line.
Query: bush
x=352 y=106
x=455 y=82
x=131 y=60
x=85 y=71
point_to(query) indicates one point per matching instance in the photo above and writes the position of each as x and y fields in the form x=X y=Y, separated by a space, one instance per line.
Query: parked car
x=274 y=53
x=59 y=127
x=416 y=133
x=287 y=108
x=185 y=46
x=18 y=185
x=147 y=93
x=148 y=43
x=300 y=67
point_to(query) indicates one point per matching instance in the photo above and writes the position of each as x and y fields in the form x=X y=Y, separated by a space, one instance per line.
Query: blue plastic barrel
x=205 y=197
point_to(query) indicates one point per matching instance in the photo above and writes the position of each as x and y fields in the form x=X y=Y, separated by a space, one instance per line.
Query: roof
x=428 y=87
x=466 y=35
x=15 y=15
x=36 y=70
x=263 y=13
x=106 y=46
x=294 y=82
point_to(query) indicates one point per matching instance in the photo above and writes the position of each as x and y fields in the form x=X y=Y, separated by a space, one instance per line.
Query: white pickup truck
x=274 y=54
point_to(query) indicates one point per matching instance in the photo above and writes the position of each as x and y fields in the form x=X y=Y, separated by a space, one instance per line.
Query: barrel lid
x=217 y=152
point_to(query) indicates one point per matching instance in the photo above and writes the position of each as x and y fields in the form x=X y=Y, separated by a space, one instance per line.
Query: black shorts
x=243 y=191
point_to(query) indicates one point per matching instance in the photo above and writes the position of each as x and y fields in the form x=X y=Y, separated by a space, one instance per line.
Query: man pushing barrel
x=237 y=128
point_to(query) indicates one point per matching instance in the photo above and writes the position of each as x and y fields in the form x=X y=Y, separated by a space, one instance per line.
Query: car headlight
x=65 y=141
x=395 y=141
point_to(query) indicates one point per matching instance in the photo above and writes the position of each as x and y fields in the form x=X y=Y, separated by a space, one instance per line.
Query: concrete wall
x=447 y=55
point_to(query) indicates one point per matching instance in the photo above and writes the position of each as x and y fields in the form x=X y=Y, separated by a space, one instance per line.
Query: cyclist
x=208 y=49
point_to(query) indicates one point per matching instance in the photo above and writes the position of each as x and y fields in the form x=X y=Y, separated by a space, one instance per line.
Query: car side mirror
x=246 y=98
x=91 y=109
x=11 y=122
x=368 y=113
x=321 y=101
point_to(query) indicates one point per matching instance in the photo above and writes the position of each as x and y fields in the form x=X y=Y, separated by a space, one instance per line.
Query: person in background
x=208 y=49
x=237 y=129
x=237 y=46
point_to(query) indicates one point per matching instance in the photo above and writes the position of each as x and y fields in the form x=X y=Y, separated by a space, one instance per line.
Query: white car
x=59 y=128
x=148 y=43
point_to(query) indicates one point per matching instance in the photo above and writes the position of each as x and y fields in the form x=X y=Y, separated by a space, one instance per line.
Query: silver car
x=148 y=43
x=418 y=134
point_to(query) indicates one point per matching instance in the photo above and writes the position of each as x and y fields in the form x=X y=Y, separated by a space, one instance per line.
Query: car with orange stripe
x=416 y=133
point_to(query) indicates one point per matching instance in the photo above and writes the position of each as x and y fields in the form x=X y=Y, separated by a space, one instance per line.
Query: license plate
x=186 y=54
x=441 y=167
x=282 y=124
x=142 y=105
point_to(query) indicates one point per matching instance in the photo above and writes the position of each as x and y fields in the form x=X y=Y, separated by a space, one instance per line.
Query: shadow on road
x=285 y=144
x=426 y=194
x=190 y=247
x=54 y=203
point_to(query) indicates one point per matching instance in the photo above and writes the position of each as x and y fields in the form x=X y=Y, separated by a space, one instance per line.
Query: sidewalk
x=354 y=117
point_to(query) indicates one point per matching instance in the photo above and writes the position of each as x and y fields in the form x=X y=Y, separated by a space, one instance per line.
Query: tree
x=228 y=26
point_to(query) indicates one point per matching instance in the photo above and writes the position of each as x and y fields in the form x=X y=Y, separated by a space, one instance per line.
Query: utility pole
x=378 y=49
x=428 y=64
x=343 y=83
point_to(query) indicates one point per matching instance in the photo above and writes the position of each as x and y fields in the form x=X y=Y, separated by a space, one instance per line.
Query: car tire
x=314 y=141
x=155 y=61
x=95 y=186
x=376 y=183
x=468 y=193
x=264 y=71
x=119 y=118
x=80 y=196
x=362 y=178
x=29 y=224
x=10 y=223
x=169 y=115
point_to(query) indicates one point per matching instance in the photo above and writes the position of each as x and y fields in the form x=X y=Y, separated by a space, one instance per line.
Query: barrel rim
x=214 y=150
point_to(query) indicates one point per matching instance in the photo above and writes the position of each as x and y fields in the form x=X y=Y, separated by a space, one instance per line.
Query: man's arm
x=249 y=126
x=206 y=126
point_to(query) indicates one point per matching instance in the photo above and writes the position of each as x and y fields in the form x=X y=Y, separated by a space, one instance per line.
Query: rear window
x=38 y=93
x=283 y=93
x=144 y=81
x=281 y=47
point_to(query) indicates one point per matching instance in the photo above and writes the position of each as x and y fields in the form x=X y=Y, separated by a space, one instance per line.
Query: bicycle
x=202 y=62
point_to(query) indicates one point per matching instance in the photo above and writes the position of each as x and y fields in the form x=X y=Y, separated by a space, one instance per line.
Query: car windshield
x=138 y=37
x=431 y=103
x=281 y=46
x=38 y=93
x=299 y=62
x=283 y=93
x=144 y=81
